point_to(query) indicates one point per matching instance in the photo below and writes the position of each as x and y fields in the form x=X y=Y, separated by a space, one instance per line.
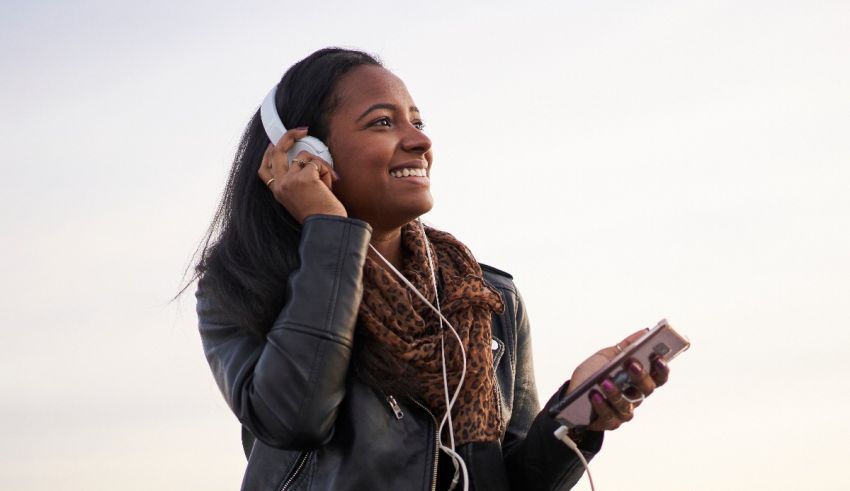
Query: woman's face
x=375 y=136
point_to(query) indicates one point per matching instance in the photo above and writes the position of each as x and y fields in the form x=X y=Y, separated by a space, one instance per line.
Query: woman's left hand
x=611 y=407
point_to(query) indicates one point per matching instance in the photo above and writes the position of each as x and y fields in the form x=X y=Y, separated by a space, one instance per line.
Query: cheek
x=363 y=161
x=357 y=182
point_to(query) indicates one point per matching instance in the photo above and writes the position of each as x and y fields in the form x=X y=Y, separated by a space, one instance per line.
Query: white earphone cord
x=460 y=465
x=560 y=433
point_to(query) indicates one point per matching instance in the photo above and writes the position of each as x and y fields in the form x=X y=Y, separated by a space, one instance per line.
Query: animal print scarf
x=407 y=334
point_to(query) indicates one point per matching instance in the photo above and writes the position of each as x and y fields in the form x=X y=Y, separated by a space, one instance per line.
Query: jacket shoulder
x=497 y=277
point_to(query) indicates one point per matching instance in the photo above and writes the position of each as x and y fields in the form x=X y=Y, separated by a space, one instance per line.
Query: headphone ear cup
x=312 y=145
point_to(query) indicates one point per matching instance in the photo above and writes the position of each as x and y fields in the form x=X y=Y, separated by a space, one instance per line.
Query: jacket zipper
x=436 y=443
x=399 y=414
x=395 y=407
x=299 y=465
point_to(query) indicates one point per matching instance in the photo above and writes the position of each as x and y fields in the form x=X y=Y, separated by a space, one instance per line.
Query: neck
x=388 y=243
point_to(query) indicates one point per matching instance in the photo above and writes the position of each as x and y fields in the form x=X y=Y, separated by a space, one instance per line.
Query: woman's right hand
x=303 y=189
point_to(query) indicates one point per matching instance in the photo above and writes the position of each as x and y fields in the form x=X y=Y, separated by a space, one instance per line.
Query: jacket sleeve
x=535 y=459
x=286 y=388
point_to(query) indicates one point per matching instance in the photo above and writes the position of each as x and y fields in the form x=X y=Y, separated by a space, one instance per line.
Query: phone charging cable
x=561 y=434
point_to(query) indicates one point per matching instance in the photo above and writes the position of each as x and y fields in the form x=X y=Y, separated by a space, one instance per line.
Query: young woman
x=339 y=372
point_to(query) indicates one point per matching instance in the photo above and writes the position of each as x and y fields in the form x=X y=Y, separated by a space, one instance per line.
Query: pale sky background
x=625 y=161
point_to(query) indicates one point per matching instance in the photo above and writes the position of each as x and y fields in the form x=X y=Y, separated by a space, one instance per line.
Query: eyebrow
x=384 y=105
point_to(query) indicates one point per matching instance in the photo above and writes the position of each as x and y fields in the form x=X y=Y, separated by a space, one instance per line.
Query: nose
x=415 y=141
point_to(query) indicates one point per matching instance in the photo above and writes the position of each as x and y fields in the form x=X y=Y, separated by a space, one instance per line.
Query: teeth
x=415 y=172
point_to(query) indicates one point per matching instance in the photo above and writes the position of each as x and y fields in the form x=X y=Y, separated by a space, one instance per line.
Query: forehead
x=367 y=85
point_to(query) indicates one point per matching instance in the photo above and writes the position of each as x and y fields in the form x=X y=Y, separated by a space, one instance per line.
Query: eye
x=383 y=121
x=386 y=121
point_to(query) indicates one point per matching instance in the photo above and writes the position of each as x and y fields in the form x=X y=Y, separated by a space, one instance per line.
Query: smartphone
x=575 y=411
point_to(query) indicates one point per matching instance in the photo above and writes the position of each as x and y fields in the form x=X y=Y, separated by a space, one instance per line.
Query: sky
x=624 y=161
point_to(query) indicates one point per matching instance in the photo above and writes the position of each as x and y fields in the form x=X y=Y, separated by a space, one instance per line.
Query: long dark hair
x=251 y=246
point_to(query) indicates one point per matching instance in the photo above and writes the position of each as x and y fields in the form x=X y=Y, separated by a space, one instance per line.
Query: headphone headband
x=271 y=120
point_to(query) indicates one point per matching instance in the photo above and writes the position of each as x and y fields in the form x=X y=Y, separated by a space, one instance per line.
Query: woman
x=335 y=367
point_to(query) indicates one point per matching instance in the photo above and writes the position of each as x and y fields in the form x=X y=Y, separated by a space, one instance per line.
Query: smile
x=412 y=172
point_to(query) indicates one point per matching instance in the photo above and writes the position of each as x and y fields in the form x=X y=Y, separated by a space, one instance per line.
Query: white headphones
x=275 y=130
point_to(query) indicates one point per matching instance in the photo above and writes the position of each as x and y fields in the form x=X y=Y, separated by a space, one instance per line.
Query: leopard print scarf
x=404 y=334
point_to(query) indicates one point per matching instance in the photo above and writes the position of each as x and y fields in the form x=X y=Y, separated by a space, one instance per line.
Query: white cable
x=450 y=401
x=561 y=434
x=460 y=465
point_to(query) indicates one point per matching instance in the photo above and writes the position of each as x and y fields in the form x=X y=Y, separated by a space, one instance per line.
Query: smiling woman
x=358 y=348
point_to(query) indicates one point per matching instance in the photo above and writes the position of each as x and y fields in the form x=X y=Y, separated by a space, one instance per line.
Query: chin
x=406 y=212
x=424 y=207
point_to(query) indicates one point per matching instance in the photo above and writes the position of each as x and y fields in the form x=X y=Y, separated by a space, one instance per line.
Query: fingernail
x=271 y=145
x=607 y=385
x=302 y=128
x=334 y=175
x=660 y=363
x=635 y=367
x=597 y=397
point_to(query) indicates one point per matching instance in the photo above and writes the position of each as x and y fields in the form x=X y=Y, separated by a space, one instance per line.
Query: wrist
x=575 y=435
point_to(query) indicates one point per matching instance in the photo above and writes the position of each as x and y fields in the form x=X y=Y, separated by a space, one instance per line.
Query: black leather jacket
x=308 y=424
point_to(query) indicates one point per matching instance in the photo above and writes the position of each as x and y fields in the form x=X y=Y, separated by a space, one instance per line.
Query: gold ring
x=270 y=181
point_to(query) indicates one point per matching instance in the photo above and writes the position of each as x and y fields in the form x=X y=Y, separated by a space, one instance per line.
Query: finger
x=640 y=378
x=277 y=163
x=620 y=404
x=659 y=371
x=326 y=174
x=265 y=171
x=606 y=417
x=303 y=159
x=325 y=171
x=306 y=160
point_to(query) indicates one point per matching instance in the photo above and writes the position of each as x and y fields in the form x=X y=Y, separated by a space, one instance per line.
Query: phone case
x=575 y=411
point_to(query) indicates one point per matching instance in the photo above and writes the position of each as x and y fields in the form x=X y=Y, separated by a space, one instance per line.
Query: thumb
x=631 y=338
x=612 y=351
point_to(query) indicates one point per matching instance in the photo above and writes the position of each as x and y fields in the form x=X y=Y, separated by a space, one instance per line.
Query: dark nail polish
x=635 y=367
x=607 y=386
x=301 y=128
x=597 y=397
x=660 y=363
